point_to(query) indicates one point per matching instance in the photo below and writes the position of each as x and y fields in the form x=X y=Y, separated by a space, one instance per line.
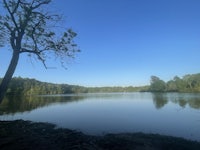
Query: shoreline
x=21 y=134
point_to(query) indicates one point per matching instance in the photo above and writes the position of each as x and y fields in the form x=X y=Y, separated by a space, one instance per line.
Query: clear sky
x=123 y=42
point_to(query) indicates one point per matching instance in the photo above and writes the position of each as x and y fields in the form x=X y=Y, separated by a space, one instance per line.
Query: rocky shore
x=21 y=135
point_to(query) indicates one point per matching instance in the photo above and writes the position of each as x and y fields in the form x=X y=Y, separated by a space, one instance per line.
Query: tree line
x=26 y=86
x=188 y=83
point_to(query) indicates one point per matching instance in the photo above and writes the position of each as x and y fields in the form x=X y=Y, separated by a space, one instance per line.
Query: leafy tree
x=180 y=84
x=171 y=86
x=192 y=82
x=189 y=83
x=157 y=85
x=28 y=28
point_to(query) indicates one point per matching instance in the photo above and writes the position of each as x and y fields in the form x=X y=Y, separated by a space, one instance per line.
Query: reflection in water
x=194 y=103
x=111 y=112
x=185 y=99
x=13 y=104
x=159 y=100
x=182 y=99
x=182 y=103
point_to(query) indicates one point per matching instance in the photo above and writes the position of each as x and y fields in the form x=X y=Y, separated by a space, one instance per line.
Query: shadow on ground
x=21 y=134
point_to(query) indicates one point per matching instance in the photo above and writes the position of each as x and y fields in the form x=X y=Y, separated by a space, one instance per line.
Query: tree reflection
x=182 y=103
x=194 y=103
x=160 y=100
x=182 y=99
x=13 y=104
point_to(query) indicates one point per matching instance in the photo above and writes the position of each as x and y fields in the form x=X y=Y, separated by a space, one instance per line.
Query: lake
x=174 y=114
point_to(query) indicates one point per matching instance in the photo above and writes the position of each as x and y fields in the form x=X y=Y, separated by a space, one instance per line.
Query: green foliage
x=26 y=86
x=189 y=83
x=157 y=85
x=115 y=89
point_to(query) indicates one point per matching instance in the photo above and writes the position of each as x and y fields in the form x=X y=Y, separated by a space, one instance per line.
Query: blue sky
x=122 y=42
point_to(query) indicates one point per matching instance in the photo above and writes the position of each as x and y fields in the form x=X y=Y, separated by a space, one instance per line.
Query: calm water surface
x=175 y=114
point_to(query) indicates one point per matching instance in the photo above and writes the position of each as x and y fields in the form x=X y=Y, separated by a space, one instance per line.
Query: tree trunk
x=9 y=73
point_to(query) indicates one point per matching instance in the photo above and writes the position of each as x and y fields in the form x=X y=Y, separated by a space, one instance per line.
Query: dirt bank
x=21 y=135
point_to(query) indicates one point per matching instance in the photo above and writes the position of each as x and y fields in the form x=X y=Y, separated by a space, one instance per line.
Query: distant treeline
x=188 y=83
x=26 y=86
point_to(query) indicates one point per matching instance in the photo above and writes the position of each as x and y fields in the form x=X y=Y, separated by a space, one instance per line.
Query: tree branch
x=39 y=4
x=24 y=50
x=38 y=53
x=16 y=7
x=7 y=26
x=32 y=35
x=11 y=14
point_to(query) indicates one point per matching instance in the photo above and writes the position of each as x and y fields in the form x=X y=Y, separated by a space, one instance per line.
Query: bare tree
x=27 y=28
